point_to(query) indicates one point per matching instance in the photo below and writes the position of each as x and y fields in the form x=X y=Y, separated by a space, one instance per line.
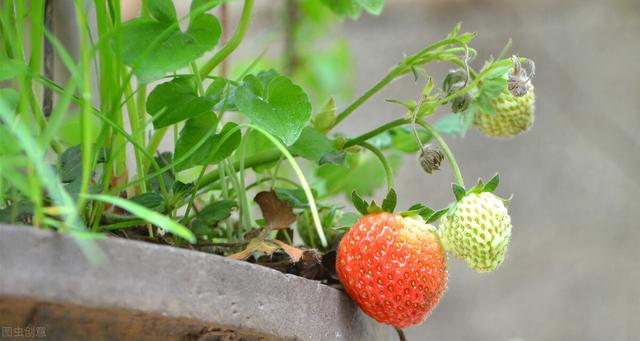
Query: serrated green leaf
x=216 y=211
x=312 y=145
x=213 y=150
x=152 y=201
x=359 y=203
x=154 y=46
x=176 y=101
x=403 y=139
x=333 y=157
x=297 y=198
x=390 y=201
x=181 y=190
x=203 y=230
x=220 y=150
x=168 y=176
x=193 y=131
x=492 y=184
x=283 y=109
x=458 y=191
x=163 y=11
x=452 y=124
x=363 y=172
x=146 y=214
x=436 y=215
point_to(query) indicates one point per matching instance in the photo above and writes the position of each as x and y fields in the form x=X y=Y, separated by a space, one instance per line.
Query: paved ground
x=572 y=268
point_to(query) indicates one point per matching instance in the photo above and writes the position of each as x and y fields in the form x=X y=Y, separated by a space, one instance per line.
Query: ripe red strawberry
x=394 y=268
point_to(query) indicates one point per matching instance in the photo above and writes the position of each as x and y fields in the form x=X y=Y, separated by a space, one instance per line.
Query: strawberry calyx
x=460 y=192
x=364 y=207
x=428 y=214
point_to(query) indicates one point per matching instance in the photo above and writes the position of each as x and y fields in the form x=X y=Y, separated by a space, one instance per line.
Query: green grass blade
x=146 y=214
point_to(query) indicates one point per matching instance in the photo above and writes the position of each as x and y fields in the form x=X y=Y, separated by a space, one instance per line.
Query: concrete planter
x=154 y=292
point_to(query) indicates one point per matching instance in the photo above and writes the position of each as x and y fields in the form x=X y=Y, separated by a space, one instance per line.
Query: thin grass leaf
x=146 y=214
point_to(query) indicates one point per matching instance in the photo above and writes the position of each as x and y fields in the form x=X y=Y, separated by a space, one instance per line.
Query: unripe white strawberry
x=514 y=115
x=477 y=231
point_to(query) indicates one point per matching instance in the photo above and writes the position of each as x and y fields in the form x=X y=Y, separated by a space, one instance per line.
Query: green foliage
x=352 y=8
x=312 y=145
x=154 y=45
x=362 y=173
x=178 y=100
x=274 y=103
x=69 y=170
x=216 y=147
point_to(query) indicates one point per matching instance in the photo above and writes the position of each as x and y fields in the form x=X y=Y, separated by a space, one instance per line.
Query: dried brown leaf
x=293 y=252
x=277 y=213
x=256 y=244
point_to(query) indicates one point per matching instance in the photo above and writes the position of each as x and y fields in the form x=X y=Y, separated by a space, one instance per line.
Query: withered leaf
x=310 y=265
x=293 y=252
x=256 y=244
x=277 y=213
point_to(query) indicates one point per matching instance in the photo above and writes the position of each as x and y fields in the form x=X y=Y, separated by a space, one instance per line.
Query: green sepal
x=415 y=73
x=478 y=188
x=374 y=208
x=410 y=105
x=390 y=201
x=437 y=215
x=458 y=191
x=359 y=203
x=492 y=184
x=428 y=214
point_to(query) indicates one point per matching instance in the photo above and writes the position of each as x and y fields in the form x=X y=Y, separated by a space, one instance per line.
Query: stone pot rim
x=174 y=283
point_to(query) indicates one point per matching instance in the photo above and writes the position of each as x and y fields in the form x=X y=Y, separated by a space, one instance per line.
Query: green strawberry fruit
x=514 y=115
x=477 y=231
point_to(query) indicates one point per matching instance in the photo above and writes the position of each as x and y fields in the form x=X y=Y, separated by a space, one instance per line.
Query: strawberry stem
x=445 y=149
x=401 y=335
x=383 y=160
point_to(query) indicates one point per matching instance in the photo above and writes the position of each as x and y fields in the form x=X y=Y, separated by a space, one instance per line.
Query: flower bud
x=430 y=158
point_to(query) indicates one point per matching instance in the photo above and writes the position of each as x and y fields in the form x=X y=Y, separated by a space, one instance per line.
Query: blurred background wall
x=573 y=267
x=572 y=270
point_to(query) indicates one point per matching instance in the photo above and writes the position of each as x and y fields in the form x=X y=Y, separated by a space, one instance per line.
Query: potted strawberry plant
x=254 y=175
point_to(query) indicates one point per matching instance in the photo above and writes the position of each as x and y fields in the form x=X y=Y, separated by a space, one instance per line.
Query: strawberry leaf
x=458 y=192
x=359 y=203
x=390 y=201
x=492 y=184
